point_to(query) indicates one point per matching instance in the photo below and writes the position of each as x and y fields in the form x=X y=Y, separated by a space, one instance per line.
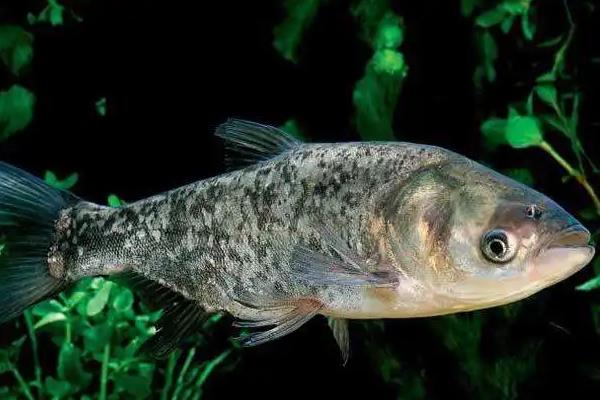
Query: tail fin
x=28 y=210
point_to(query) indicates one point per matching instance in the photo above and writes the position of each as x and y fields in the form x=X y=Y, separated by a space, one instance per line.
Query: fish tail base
x=30 y=210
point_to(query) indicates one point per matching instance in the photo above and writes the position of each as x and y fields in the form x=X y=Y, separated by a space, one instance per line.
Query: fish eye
x=498 y=246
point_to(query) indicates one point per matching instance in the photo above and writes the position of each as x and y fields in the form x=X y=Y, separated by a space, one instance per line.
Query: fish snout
x=574 y=235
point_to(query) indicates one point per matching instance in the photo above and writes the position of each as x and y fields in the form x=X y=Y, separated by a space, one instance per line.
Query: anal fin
x=339 y=328
x=180 y=317
x=285 y=319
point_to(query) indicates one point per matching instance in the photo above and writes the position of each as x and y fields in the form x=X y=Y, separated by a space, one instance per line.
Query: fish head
x=485 y=239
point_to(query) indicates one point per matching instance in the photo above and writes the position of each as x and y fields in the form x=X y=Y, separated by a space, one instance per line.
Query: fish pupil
x=497 y=247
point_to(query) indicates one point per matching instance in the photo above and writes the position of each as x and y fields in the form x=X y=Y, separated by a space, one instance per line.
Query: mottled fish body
x=346 y=230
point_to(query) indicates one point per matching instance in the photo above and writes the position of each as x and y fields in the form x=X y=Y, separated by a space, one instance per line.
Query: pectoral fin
x=323 y=269
x=339 y=264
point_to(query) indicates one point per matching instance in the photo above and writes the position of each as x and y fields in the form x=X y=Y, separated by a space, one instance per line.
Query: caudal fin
x=29 y=209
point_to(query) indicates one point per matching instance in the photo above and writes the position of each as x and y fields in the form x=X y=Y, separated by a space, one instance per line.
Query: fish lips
x=567 y=252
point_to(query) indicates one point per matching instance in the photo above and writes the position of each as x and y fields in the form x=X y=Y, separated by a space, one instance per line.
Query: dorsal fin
x=249 y=142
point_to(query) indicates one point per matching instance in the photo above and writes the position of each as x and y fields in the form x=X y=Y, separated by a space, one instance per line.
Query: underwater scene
x=389 y=199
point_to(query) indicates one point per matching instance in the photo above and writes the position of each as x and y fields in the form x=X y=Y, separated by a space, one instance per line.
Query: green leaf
x=123 y=301
x=52 y=14
x=57 y=389
x=548 y=77
x=70 y=367
x=389 y=62
x=95 y=338
x=5 y=364
x=16 y=48
x=390 y=32
x=592 y=284
x=291 y=128
x=515 y=7
x=75 y=298
x=523 y=131
x=16 y=110
x=490 y=54
x=134 y=385
x=467 y=7
x=56 y=13
x=507 y=24
x=493 y=131
x=547 y=93
x=369 y=13
x=288 y=34
x=50 y=318
x=491 y=17
x=47 y=307
x=527 y=27
x=97 y=303
x=9 y=355
x=551 y=42
x=529 y=103
x=574 y=120
x=114 y=201
x=554 y=122
x=375 y=96
x=101 y=106
x=64 y=184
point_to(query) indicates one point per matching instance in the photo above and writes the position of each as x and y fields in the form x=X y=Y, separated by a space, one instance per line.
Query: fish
x=349 y=231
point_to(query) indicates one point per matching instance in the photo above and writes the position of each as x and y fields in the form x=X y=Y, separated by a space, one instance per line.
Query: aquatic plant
x=92 y=332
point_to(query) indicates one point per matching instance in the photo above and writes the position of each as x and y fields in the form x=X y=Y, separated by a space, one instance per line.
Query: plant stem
x=169 y=376
x=68 y=330
x=104 y=372
x=574 y=173
x=209 y=368
x=22 y=383
x=184 y=368
x=34 y=350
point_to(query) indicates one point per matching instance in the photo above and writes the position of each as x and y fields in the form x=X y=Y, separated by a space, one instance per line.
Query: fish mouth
x=573 y=236
x=566 y=253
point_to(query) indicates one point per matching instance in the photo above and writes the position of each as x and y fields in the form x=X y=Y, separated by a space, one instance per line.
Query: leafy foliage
x=92 y=332
x=16 y=110
x=376 y=94
x=288 y=34
x=101 y=106
x=16 y=48
x=65 y=184
x=51 y=14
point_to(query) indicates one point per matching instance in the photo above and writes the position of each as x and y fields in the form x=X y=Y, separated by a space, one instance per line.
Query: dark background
x=172 y=71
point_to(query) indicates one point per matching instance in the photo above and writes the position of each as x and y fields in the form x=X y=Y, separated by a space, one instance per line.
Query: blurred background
x=117 y=101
